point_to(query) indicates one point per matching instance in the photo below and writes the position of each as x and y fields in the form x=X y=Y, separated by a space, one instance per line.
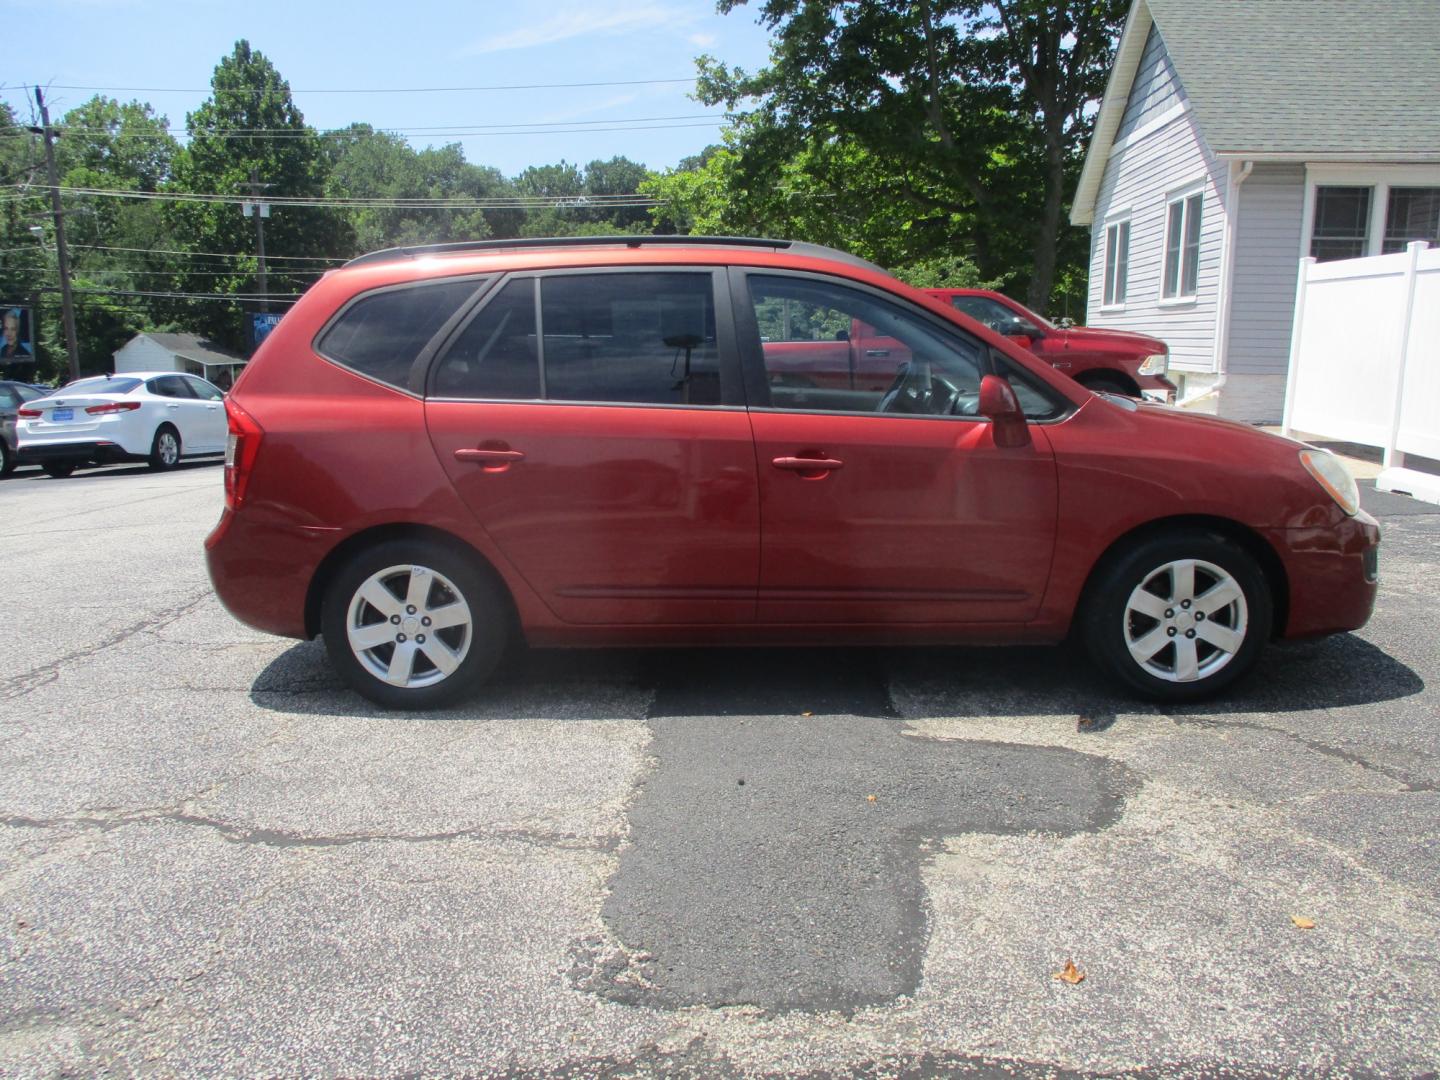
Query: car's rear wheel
x=58 y=469
x=165 y=448
x=1179 y=617
x=413 y=624
x=7 y=459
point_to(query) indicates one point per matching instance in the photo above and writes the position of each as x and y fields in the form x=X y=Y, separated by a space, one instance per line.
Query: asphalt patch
x=775 y=860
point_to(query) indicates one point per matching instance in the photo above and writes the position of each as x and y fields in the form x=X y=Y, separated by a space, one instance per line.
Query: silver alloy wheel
x=169 y=447
x=1185 y=621
x=409 y=626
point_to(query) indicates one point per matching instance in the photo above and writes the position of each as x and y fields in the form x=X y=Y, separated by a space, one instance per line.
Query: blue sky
x=423 y=43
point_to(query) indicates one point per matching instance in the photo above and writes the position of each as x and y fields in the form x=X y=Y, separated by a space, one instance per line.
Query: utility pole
x=62 y=253
x=261 y=211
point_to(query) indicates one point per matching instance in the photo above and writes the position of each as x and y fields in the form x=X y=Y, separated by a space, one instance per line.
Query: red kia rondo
x=678 y=440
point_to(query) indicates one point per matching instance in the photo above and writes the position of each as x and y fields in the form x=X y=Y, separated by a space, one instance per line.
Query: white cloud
x=703 y=41
x=575 y=22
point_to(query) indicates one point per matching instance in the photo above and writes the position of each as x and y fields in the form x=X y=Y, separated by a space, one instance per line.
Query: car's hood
x=1094 y=337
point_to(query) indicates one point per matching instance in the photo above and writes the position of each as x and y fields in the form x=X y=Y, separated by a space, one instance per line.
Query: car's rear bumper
x=1333 y=575
x=99 y=451
x=262 y=572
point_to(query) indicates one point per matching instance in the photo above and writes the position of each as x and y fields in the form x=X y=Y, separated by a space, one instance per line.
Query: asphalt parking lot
x=215 y=860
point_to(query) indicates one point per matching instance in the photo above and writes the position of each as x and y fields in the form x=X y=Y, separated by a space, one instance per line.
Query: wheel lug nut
x=1189 y=633
x=400 y=637
x=1169 y=613
x=1170 y=632
x=425 y=621
x=409 y=609
x=1199 y=616
x=419 y=639
x=395 y=619
x=1183 y=603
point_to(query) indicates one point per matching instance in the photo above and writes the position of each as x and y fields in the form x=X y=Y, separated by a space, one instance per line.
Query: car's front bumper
x=1333 y=575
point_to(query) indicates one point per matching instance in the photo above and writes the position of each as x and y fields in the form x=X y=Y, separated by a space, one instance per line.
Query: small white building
x=1235 y=139
x=150 y=351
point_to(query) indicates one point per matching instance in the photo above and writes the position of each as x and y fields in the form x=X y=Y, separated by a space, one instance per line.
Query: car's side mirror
x=999 y=403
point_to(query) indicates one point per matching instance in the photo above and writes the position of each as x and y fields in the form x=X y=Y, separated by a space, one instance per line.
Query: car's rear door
x=211 y=427
x=594 y=423
x=894 y=507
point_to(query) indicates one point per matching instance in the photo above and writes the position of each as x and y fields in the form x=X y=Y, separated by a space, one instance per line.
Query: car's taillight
x=240 y=452
x=29 y=414
x=112 y=407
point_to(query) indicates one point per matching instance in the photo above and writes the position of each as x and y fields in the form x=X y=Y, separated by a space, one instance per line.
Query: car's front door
x=594 y=424
x=894 y=506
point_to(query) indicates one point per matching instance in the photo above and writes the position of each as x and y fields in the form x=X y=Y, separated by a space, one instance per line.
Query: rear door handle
x=493 y=460
x=808 y=464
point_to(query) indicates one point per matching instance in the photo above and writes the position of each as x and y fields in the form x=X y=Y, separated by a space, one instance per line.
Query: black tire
x=453 y=575
x=1109 y=384
x=1188 y=665
x=165 y=448
x=59 y=470
x=7 y=459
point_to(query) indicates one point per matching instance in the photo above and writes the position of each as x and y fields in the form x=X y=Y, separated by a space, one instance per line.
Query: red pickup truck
x=1109 y=360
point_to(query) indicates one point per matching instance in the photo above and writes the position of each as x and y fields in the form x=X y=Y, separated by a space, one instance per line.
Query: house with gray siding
x=1234 y=139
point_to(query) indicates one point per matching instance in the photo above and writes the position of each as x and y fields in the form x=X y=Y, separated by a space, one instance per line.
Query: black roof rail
x=626 y=240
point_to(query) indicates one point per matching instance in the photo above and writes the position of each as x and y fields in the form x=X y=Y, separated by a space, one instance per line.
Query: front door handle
x=816 y=467
x=877 y=352
x=491 y=459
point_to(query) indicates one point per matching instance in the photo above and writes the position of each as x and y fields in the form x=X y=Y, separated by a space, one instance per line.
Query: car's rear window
x=105 y=384
x=381 y=334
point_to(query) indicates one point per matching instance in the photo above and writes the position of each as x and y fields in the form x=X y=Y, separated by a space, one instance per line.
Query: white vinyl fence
x=1365 y=358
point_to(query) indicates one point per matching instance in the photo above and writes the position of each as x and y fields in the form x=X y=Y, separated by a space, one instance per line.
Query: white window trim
x=1379 y=178
x=1179 y=195
x=1114 y=220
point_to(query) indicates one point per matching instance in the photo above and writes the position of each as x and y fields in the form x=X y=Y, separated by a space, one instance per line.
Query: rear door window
x=644 y=338
x=382 y=334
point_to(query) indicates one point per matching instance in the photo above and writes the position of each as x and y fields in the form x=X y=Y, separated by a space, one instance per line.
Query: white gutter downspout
x=1227 y=277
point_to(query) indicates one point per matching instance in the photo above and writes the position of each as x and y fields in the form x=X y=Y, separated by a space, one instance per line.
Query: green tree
x=250 y=128
x=977 y=111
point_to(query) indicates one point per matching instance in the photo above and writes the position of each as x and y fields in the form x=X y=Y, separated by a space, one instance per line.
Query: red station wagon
x=1106 y=361
x=600 y=441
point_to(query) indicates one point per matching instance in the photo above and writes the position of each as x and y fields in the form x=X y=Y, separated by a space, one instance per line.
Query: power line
x=279 y=298
x=552 y=202
x=372 y=90
x=205 y=254
x=343 y=133
x=456 y=131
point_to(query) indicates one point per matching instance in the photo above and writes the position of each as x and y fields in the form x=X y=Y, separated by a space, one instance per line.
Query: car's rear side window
x=381 y=334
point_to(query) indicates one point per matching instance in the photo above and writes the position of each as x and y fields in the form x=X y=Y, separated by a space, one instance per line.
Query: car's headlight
x=1155 y=364
x=1332 y=475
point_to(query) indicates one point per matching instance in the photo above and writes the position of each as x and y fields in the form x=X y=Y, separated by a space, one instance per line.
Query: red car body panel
x=1080 y=351
x=658 y=525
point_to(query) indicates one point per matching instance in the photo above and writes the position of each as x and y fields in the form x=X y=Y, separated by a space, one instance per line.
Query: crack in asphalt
x=18 y=686
x=1408 y=784
x=281 y=838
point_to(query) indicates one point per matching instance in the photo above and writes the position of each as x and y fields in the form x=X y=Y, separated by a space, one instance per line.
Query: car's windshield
x=102 y=384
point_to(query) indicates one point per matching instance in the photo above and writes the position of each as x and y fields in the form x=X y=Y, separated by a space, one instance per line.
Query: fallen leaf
x=1302 y=922
x=1071 y=974
x=870 y=798
x=807 y=712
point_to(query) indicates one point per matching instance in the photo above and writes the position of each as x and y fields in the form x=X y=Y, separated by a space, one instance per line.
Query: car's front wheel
x=165 y=448
x=1179 y=617
x=413 y=624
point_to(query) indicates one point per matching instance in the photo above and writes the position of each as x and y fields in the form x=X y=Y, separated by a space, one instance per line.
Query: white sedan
x=154 y=416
